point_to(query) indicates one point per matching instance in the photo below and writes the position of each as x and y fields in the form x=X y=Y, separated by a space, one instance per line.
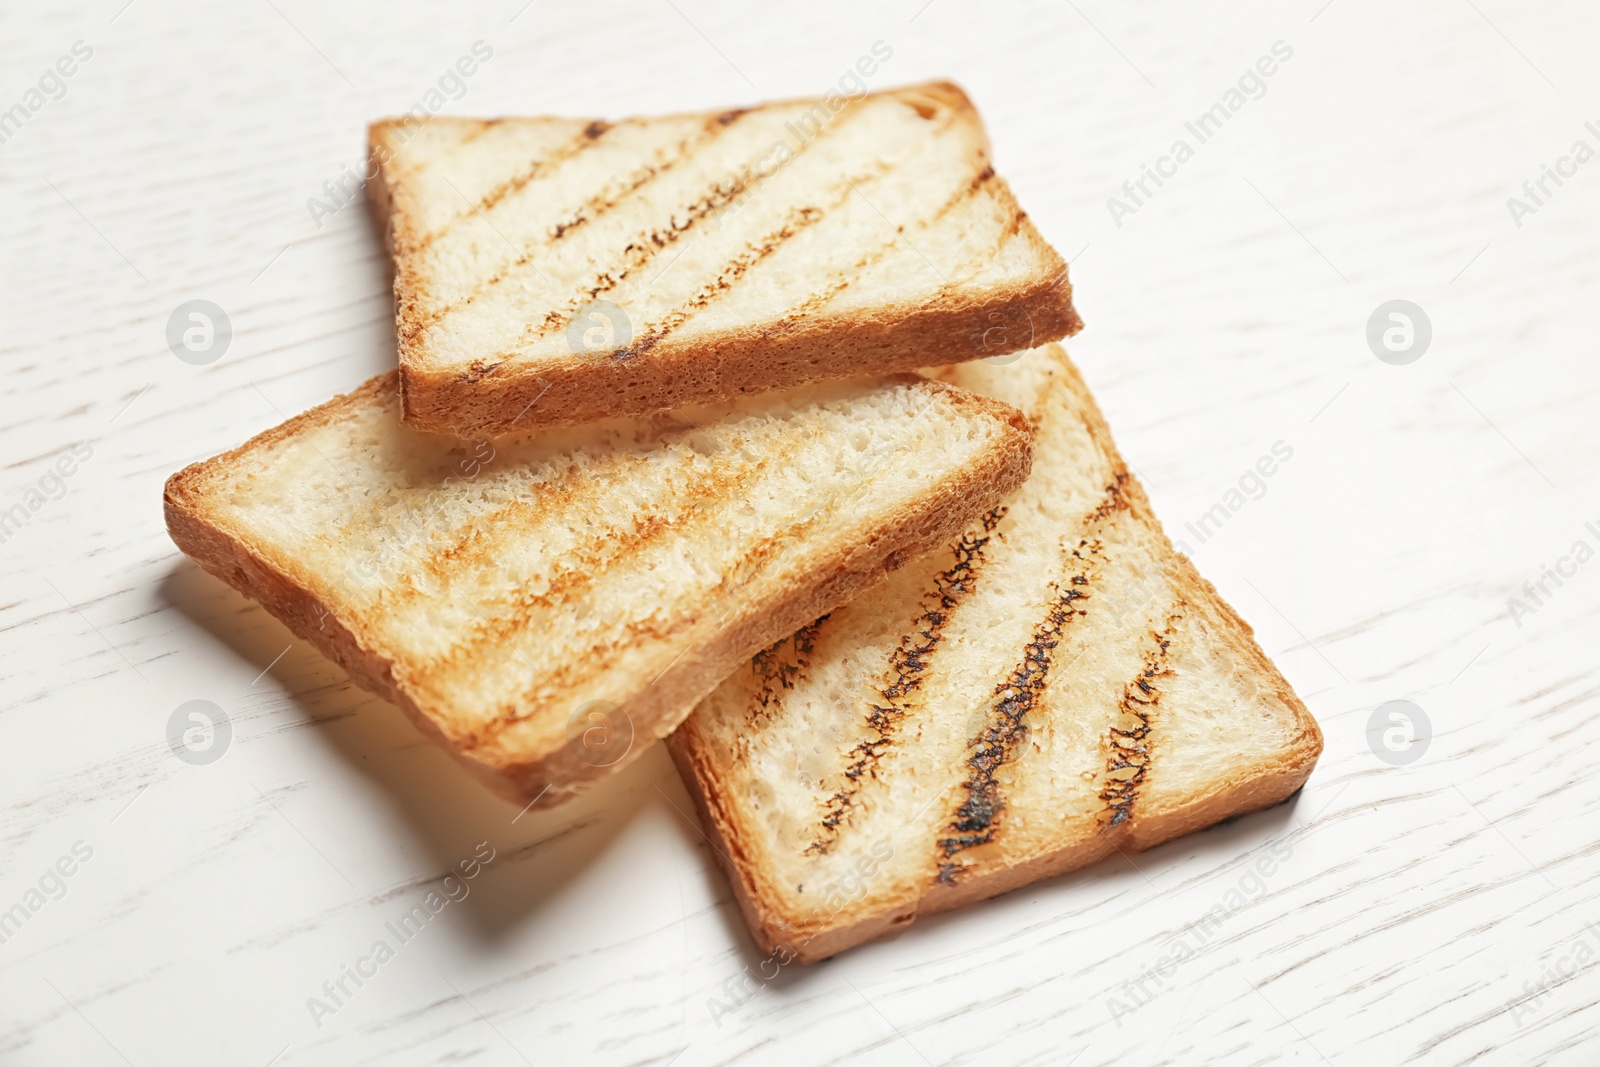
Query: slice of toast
x=1055 y=683
x=547 y=607
x=563 y=270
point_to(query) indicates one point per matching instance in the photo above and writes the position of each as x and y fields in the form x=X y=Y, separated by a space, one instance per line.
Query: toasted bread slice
x=547 y=607
x=560 y=270
x=1054 y=684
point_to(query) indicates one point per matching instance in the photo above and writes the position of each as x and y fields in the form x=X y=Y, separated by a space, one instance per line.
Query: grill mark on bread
x=556 y=494
x=482 y=127
x=1115 y=499
x=984 y=182
x=478 y=131
x=818 y=299
x=780 y=667
x=1000 y=193
x=976 y=820
x=572 y=573
x=397 y=170
x=585 y=140
x=907 y=670
x=799 y=219
x=410 y=522
x=734 y=270
x=538 y=168
x=1011 y=231
x=598 y=658
x=979 y=180
x=466 y=545
x=587 y=212
x=543 y=166
x=1128 y=742
x=640 y=251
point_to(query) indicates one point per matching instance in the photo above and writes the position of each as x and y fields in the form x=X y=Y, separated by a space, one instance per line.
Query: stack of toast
x=748 y=431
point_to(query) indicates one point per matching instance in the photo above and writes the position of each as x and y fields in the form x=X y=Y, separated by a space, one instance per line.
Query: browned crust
x=1277 y=777
x=959 y=325
x=380 y=190
x=739 y=362
x=841 y=567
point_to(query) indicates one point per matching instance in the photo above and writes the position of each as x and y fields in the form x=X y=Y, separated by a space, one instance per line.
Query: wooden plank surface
x=1440 y=911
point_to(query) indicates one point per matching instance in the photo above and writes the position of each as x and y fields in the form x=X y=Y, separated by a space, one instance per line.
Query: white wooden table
x=1435 y=911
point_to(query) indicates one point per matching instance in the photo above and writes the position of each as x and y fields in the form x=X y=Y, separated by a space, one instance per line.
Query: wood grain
x=1428 y=913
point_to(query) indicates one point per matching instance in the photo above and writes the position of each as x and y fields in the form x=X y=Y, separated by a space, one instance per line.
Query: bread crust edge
x=736 y=363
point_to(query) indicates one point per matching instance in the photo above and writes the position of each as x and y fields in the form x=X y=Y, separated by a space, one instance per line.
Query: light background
x=1423 y=905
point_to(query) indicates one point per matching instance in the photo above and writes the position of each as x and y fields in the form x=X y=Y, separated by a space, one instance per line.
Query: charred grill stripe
x=974 y=820
x=599 y=657
x=819 y=299
x=908 y=667
x=476 y=132
x=637 y=253
x=645 y=247
x=587 y=212
x=1128 y=742
x=578 y=573
x=985 y=182
x=504 y=617
x=540 y=167
x=735 y=269
x=1115 y=499
x=1013 y=226
x=482 y=128
x=449 y=548
x=781 y=666
x=400 y=170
